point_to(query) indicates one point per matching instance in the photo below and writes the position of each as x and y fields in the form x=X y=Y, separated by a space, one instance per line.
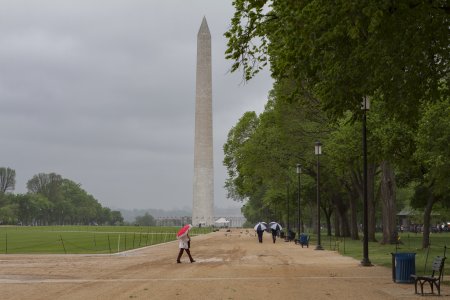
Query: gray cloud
x=103 y=93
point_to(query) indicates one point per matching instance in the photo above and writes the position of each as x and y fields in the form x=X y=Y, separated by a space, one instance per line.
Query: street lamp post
x=318 y=152
x=365 y=261
x=299 y=171
x=287 y=204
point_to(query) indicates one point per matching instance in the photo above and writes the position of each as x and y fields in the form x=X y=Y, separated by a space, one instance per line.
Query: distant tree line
x=51 y=200
x=145 y=220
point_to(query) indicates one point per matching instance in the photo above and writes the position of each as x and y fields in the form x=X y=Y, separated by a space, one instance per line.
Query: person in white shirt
x=184 y=245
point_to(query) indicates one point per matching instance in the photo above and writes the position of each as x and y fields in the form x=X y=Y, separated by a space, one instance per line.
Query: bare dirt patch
x=229 y=265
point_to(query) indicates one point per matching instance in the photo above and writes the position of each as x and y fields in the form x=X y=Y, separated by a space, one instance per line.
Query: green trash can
x=403 y=266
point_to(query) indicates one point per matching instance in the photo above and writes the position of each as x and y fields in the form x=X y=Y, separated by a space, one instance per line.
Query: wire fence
x=84 y=239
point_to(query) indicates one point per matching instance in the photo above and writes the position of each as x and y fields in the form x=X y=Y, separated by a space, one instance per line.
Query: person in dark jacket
x=274 y=234
x=260 y=232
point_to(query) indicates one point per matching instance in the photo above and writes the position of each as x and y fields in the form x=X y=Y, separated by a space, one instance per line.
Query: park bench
x=434 y=279
x=303 y=240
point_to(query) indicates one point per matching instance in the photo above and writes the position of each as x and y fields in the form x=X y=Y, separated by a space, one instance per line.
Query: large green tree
x=51 y=199
x=63 y=201
x=47 y=184
x=341 y=51
x=433 y=161
x=261 y=155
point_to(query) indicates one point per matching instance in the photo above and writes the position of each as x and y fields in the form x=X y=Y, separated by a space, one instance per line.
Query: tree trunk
x=358 y=184
x=342 y=223
x=328 y=213
x=353 y=196
x=388 y=200
x=426 y=221
x=337 y=226
x=371 y=170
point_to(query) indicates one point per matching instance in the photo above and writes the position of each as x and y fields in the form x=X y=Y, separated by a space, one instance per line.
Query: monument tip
x=204 y=29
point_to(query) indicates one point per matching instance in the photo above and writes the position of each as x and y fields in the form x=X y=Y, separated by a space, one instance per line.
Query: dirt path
x=229 y=265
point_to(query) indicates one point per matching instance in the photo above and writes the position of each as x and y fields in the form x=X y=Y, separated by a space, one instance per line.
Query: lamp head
x=365 y=104
x=318 y=148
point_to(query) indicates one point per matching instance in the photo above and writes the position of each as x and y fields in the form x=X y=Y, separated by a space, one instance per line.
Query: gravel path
x=229 y=265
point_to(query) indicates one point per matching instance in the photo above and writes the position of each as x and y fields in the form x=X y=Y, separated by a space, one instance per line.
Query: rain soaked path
x=228 y=266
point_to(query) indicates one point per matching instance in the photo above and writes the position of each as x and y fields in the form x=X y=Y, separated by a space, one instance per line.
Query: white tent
x=222 y=222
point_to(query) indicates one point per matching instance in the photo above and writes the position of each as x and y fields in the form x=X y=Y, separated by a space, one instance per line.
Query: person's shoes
x=178 y=262
x=192 y=261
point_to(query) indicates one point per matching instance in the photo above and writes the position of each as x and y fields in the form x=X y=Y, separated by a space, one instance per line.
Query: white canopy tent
x=222 y=222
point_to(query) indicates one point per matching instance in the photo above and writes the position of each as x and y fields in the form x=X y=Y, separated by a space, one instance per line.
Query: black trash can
x=403 y=266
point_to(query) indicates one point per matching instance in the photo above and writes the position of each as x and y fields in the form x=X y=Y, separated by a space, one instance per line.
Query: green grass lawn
x=381 y=254
x=83 y=239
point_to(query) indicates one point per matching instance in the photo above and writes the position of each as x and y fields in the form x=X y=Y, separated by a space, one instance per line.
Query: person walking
x=260 y=232
x=275 y=230
x=184 y=245
x=274 y=234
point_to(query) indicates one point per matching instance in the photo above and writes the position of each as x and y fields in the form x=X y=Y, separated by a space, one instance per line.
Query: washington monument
x=203 y=200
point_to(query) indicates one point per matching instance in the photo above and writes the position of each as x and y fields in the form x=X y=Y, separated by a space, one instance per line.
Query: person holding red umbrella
x=185 y=241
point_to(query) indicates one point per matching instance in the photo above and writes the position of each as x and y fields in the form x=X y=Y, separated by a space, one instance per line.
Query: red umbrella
x=184 y=230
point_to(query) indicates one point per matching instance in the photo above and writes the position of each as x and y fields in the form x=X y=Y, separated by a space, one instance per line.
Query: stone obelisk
x=203 y=200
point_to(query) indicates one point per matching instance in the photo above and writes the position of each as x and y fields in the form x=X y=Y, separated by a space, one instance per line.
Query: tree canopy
x=52 y=199
x=325 y=58
x=340 y=51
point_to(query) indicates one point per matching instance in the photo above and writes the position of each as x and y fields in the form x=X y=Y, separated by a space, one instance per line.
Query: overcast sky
x=103 y=93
